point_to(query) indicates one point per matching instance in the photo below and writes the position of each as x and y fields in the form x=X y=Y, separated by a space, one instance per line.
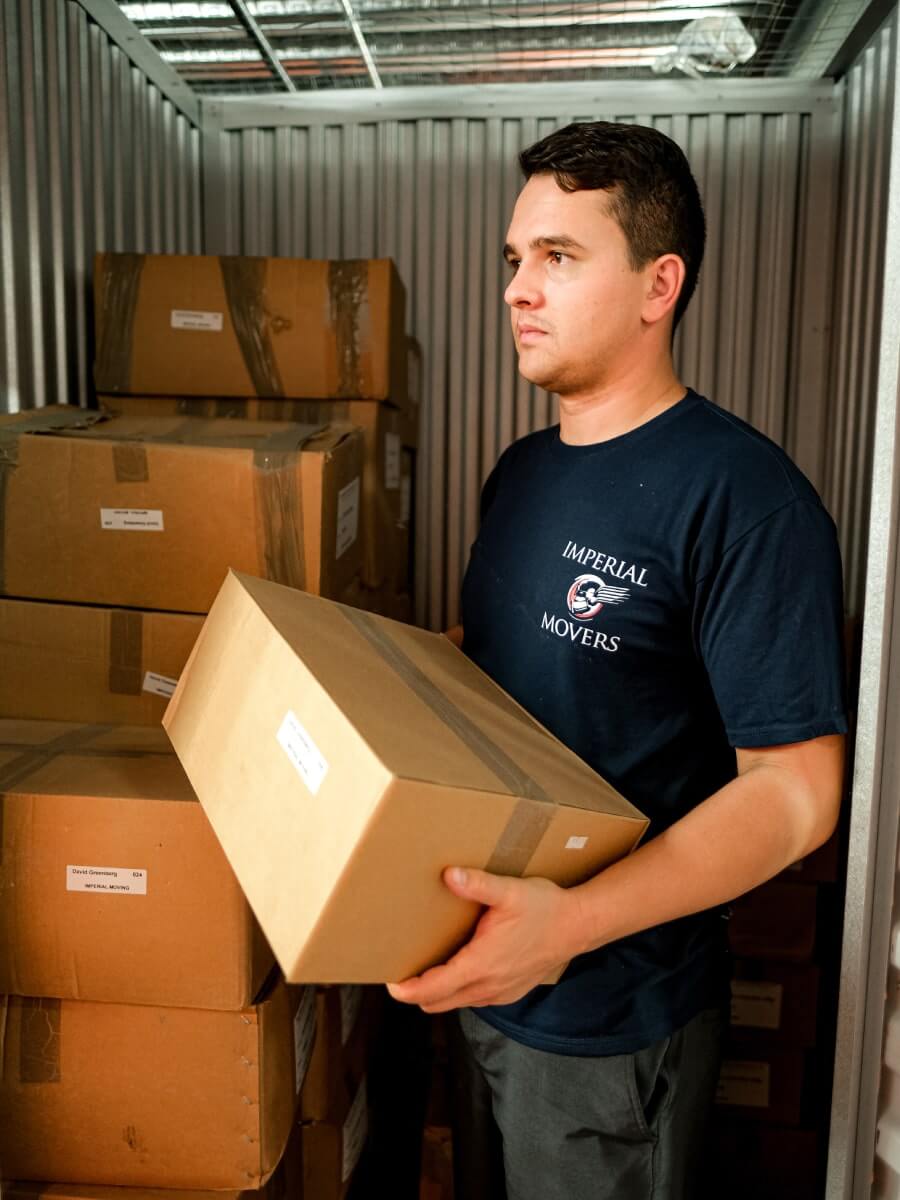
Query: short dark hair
x=652 y=193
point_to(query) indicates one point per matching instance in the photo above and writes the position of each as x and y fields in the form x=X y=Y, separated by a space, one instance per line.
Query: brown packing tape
x=348 y=290
x=121 y=283
x=26 y=763
x=126 y=645
x=245 y=291
x=130 y=463
x=279 y=505
x=40 y=1038
x=534 y=811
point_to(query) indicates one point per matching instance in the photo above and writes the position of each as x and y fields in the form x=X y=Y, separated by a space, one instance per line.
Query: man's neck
x=608 y=412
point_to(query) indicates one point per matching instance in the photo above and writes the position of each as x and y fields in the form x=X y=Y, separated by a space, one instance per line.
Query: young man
x=660 y=586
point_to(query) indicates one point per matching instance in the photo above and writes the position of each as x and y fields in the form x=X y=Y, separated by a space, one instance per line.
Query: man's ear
x=665 y=279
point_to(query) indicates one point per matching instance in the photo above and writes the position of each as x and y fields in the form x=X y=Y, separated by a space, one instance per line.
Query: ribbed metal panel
x=864 y=483
x=436 y=194
x=860 y=244
x=92 y=157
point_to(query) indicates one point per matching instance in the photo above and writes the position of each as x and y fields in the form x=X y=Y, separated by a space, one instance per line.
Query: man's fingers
x=471 y=884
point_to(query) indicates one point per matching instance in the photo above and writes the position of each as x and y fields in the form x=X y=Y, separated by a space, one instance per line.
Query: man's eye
x=557 y=256
x=513 y=263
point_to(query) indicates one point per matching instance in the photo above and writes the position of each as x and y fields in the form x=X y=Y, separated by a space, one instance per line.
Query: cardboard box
x=347 y=1023
x=776 y=921
x=285 y=1184
x=113 y=886
x=769 y=1087
x=151 y=512
x=775 y=1002
x=753 y=1160
x=72 y=662
x=332 y=1150
x=146 y=1096
x=387 y=463
x=197 y=325
x=349 y=759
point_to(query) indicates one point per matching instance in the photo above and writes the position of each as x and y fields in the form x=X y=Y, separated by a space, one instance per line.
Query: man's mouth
x=529 y=334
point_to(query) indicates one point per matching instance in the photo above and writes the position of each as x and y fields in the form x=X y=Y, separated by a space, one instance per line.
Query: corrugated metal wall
x=864 y=480
x=435 y=194
x=92 y=157
x=868 y=102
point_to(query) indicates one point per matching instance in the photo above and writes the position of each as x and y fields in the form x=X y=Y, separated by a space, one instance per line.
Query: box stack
x=277 y=339
x=149 y=1040
x=771 y=1130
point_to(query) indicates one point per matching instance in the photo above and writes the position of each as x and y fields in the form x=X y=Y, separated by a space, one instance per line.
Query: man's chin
x=534 y=374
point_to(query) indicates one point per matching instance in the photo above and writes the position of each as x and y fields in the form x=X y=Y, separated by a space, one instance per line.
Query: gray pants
x=530 y=1125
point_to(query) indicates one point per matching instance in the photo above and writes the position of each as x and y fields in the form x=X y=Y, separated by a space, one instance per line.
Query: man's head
x=606 y=243
x=651 y=191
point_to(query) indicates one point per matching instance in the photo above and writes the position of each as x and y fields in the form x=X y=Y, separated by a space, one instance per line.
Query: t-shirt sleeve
x=768 y=621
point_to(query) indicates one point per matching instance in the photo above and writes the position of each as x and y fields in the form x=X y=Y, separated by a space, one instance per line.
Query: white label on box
x=304 y=1035
x=405 y=500
x=347 y=517
x=392 y=461
x=131 y=518
x=355 y=1129
x=159 y=685
x=744 y=1083
x=126 y=881
x=756 y=1005
x=186 y=318
x=576 y=843
x=351 y=1003
x=303 y=752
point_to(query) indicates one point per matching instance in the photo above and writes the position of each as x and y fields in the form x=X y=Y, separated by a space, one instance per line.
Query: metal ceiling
x=228 y=47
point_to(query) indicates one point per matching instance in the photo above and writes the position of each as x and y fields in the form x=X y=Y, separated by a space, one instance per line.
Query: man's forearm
x=745 y=833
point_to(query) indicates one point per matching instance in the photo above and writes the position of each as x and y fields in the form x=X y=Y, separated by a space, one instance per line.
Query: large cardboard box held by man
x=198 y=325
x=113 y=886
x=344 y=760
x=77 y=662
x=143 y=1096
x=151 y=512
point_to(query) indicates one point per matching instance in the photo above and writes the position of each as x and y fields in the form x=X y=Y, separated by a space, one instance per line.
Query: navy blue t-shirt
x=654 y=600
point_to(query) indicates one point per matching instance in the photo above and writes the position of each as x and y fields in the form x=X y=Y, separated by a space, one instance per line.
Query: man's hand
x=520 y=941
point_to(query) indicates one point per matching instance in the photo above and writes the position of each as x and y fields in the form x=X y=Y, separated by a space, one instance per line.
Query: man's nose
x=523 y=290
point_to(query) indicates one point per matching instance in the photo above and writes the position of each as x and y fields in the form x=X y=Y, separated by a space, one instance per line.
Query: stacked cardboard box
x=276 y=339
x=771 y=1130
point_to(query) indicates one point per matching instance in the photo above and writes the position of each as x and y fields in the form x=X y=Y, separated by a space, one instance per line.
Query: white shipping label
x=744 y=1083
x=186 y=318
x=136 y=519
x=159 y=685
x=392 y=461
x=303 y=752
x=347 y=517
x=756 y=1005
x=405 y=500
x=351 y=1003
x=125 y=880
x=576 y=843
x=304 y=1036
x=356 y=1127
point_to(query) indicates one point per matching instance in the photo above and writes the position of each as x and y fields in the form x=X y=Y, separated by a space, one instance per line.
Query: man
x=709 y=692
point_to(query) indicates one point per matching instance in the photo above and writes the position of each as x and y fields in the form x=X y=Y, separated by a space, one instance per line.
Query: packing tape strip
x=121 y=278
x=244 y=280
x=279 y=505
x=130 y=462
x=533 y=813
x=40 y=1040
x=126 y=652
x=348 y=294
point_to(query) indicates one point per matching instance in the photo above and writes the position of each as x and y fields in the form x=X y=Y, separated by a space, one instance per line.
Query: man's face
x=575 y=301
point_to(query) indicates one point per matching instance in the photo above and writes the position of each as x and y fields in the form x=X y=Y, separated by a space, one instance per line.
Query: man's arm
x=783 y=803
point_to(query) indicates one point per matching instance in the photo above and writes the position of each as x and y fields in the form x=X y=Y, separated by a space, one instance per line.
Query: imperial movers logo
x=589 y=593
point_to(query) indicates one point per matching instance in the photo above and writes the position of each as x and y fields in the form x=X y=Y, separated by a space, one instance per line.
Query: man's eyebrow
x=560 y=241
